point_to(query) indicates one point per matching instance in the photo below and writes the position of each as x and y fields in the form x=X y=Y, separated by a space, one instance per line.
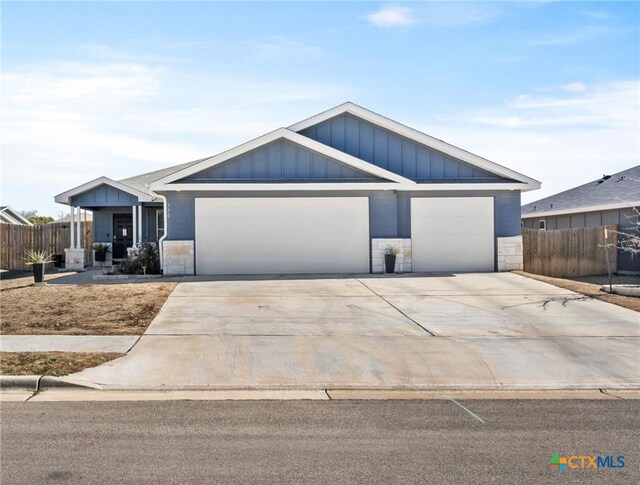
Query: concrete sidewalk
x=67 y=343
x=466 y=331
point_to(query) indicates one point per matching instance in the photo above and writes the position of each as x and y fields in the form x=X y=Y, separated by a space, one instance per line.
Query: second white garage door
x=452 y=234
x=282 y=235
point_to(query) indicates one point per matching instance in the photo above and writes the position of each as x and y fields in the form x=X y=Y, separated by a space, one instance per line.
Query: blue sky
x=547 y=88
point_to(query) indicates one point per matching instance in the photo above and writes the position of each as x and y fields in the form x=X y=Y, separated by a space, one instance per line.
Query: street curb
x=27 y=383
x=49 y=382
x=36 y=383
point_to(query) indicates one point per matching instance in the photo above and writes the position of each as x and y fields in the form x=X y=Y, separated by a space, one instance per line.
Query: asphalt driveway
x=492 y=330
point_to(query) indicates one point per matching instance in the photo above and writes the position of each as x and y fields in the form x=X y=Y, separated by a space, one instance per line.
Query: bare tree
x=629 y=240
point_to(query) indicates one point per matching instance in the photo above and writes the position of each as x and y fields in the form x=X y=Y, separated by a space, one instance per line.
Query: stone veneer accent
x=74 y=258
x=403 y=259
x=178 y=258
x=510 y=253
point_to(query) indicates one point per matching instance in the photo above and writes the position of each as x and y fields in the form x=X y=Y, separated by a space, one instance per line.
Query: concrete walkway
x=67 y=343
x=466 y=331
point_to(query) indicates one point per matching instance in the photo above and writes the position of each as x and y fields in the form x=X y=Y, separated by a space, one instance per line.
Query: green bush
x=143 y=259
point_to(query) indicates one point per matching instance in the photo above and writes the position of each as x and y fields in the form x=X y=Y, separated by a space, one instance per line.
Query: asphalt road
x=315 y=442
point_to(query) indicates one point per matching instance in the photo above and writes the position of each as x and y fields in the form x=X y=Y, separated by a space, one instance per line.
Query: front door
x=122 y=234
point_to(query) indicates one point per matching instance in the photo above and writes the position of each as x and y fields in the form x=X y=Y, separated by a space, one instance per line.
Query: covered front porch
x=123 y=216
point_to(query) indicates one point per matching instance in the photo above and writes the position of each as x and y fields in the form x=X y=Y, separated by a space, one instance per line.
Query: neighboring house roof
x=67 y=219
x=617 y=191
x=12 y=216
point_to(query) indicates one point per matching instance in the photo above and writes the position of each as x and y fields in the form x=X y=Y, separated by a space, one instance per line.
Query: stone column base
x=403 y=259
x=74 y=258
x=178 y=258
x=510 y=252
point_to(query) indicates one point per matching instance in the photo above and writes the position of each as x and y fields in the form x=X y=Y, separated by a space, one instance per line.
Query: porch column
x=73 y=228
x=74 y=256
x=140 y=223
x=78 y=232
x=135 y=224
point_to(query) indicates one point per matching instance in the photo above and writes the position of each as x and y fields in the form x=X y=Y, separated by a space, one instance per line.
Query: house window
x=159 y=224
x=542 y=224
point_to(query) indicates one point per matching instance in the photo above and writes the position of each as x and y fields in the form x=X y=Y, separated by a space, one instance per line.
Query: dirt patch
x=51 y=363
x=589 y=289
x=125 y=309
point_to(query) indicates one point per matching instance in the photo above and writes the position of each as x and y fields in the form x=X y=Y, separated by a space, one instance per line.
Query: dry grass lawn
x=51 y=363
x=19 y=279
x=121 y=309
x=589 y=289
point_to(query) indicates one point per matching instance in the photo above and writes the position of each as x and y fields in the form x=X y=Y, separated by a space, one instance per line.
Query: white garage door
x=282 y=235
x=452 y=234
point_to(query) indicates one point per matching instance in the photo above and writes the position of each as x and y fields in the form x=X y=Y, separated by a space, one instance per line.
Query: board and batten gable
x=389 y=211
x=104 y=196
x=280 y=161
x=394 y=152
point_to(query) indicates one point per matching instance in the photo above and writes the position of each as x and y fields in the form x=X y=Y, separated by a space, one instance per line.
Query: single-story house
x=611 y=199
x=326 y=195
x=12 y=216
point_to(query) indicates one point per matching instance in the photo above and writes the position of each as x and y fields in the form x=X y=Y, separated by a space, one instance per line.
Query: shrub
x=143 y=259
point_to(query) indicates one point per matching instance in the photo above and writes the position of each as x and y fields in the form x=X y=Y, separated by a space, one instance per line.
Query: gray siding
x=389 y=211
x=383 y=214
x=181 y=214
x=104 y=195
x=280 y=161
x=393 y=152
x=103 y=222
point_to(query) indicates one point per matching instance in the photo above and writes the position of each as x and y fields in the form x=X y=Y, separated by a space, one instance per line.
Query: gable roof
x=9 y=215
x=65 y=197
x=143 y=181
x=609 y=192
x=418 y=137
x=279 y=134
x=143 y=185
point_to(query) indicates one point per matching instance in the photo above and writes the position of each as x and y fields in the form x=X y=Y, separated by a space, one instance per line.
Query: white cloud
x=597 y=14
x=612 y=105
x=64 y=123
x=284 y=48
x=585 y=34
x=563 y=139
x=394 y=16
x=574 y=87
x=463 y=14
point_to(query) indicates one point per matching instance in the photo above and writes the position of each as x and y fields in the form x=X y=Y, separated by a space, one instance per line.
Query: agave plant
x=33 y=256
x=391 y=251
x=101 y=248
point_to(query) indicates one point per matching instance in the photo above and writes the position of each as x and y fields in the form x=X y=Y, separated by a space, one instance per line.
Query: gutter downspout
x=165 y=215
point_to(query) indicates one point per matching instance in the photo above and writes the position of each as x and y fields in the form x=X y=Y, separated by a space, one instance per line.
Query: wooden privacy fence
x=16 y=240
x=569 y=252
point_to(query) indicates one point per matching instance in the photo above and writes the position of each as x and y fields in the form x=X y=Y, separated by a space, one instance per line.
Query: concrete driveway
x=492 y=330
